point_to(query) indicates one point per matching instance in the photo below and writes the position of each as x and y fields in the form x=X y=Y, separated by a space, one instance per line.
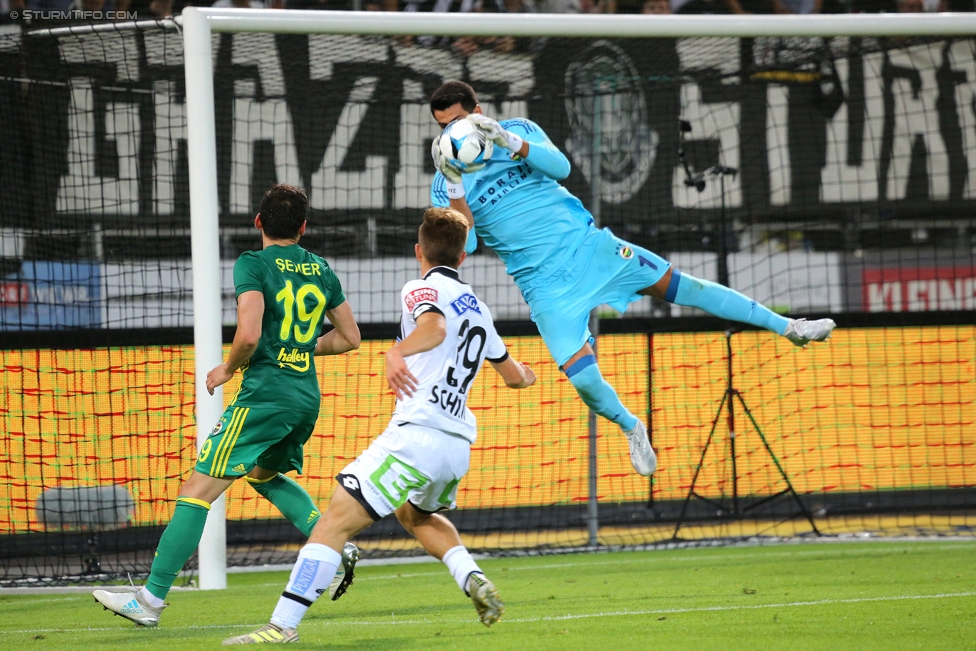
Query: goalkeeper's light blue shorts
x=604 y=269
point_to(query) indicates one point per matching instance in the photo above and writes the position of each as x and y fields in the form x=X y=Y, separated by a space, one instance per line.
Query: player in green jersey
x=284 y=294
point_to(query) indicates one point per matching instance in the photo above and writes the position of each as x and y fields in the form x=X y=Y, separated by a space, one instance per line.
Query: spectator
x=6 y=6
x=659 y=7
x=598 y=6
x=161 y=8
x=707 y=7
x=239 y=4
x=920 y=6
x=48 y=5
x=797 y=6
x=559 y=6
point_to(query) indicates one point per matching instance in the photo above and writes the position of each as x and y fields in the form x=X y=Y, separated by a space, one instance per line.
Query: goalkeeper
x=283 y=292
x=563 y=264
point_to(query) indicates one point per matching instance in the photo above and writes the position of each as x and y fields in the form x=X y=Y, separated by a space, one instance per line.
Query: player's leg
x=286 y=454
x=583 y=373
x=349 y=512
x=441 y=540
x=445 y=459
x=724 y=302
x=287 y=495
x=177 y=544
x=565 y=330
x=313 y=571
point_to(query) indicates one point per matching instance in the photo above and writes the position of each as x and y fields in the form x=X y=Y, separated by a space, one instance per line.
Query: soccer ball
x=465 y=145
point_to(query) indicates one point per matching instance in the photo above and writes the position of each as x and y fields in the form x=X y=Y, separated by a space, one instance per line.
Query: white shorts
x=407 y=462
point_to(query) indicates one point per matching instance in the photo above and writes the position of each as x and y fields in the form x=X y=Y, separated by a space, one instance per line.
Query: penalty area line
x=528 y=620
x=788 y=604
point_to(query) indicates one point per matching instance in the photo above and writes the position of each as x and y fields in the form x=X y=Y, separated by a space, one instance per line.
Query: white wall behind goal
x=158 y=294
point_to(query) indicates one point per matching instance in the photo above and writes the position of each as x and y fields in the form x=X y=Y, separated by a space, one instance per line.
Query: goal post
x=205 y=247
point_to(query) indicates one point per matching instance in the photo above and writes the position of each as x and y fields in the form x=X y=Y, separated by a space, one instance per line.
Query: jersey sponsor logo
x=465 y=302
x=395 y=479
x=422 y=295
x=295 y=360
x=503 y=186
x=305 y=576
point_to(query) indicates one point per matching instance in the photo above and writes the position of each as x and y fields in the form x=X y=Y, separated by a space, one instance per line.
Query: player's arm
x=534 y=146
x=429 y=334
x=448 y=190
x=515 y=374
x=250 y=313
x=345 y=335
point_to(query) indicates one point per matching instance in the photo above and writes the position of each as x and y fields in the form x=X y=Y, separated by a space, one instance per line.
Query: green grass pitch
x=899 y=595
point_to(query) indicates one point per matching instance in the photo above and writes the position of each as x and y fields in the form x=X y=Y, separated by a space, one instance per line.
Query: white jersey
x=445 y=373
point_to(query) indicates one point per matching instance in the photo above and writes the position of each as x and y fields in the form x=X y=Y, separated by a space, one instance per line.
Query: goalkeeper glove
x=494 y=132
x=455 y=186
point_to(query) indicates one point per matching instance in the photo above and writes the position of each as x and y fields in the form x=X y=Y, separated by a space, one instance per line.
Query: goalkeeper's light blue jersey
x=520 y=210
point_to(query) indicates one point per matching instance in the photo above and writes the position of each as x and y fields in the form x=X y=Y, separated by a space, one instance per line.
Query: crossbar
x=291 y=21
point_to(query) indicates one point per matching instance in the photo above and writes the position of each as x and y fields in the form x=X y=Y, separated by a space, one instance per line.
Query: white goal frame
x=199 y=24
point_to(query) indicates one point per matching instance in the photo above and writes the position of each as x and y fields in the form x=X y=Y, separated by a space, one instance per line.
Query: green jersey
x=298 y=288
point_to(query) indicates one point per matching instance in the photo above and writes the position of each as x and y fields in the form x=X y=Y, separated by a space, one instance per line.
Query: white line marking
x=548 y=618
x=22 y=602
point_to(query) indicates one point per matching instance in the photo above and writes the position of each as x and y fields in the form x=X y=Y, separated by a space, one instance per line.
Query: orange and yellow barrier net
x=872 y=410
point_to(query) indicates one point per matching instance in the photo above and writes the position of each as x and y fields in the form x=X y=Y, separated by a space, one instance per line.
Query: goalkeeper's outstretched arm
x=545 y=157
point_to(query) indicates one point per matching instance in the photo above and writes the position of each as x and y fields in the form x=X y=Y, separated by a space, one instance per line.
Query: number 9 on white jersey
x=445 y=374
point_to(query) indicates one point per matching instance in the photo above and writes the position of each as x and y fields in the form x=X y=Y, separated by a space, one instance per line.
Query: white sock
x=460 y=564
x=150 y=598
x=311 y=576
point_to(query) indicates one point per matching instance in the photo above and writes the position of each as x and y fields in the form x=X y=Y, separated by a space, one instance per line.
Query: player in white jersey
x=414 y=467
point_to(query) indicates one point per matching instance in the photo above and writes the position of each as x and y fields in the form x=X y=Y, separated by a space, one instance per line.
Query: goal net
x=820 y=176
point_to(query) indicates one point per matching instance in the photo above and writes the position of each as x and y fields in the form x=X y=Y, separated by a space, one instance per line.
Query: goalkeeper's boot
x=485 y=598
x=267 y=634
x=641 y=453
x=801 y=332
x=344 y=575
x=129 y=605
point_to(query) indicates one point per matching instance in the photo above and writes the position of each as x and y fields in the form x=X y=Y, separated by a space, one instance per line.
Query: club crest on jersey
x=422 y=295
x=219 y=426
x=465 y=302
x=626 y=253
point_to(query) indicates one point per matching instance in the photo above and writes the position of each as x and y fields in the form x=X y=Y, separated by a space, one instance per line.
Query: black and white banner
x=807 y=123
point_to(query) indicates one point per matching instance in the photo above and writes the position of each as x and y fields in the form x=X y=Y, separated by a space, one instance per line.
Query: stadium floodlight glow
x=199 y=24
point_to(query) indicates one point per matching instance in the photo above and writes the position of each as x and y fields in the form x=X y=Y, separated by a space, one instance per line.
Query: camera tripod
x=736 y=508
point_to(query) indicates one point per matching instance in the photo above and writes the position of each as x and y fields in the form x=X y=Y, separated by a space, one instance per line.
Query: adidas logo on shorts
x=240 y=468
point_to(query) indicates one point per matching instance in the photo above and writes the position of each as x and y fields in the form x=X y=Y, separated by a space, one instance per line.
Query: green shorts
x=255 y=436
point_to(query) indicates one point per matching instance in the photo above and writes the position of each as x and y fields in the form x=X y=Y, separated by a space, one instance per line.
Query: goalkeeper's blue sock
x=313 y=572
x=598 y=395
x=722 y=302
